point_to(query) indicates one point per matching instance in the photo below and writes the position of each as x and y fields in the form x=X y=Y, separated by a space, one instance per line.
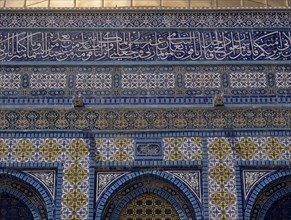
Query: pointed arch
x=132 y=180
x=29 y=191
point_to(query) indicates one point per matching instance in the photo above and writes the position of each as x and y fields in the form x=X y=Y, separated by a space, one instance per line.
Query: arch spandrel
x=266 y=193
x=129 y=187
x=29 y=192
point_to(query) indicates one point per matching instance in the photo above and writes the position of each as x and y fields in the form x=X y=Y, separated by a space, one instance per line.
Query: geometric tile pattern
x=148 y=19
x=221 y=179
x=94 y=81
x=47 y=177
x=148 y=206
x=141 y=50
x=114 y=149
x=220 y=149
x=262 y=148
x=251 y=177
x=246 y=148
x=145 y=118
x=133 y=81
x=191 y=178
x=104 y=179
x=248 y=80
x=75 y=186
x=283 y=79
x=222 y=156
x=51 y=81
x=50 y=150
x=202 y=80
x=148 y=80
x=23 y=150
x=182 y=148
x=10 y=81
x=221 y=174
x=76 y=174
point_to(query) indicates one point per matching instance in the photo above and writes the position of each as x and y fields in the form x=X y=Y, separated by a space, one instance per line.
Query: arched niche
x=267 y=193
x=28 y=191
x=129 y=188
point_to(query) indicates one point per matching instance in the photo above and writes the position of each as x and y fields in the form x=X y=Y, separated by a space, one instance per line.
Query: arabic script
x=145 y=45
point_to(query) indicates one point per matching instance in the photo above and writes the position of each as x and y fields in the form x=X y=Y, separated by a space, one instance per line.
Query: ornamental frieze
x=213 y=45
x=147 y=118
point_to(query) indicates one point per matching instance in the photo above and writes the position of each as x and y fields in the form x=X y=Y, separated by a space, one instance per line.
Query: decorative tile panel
x=283 y=80
x=182 y=148
x=75 y=182
x=94 y=81
x=202 y=80
x=248 y=80
x=149 y=19
x=104 y=179
x=47 y=177
x=145 y=118
x=137 y=84
x=148 y=149
x=191 y=178
x=10 y=81
x=114 y=149
x=143 y=45
x=48 y=81
x=251 y=177
x=221 y=179
x=262 y=148
x=148 y=81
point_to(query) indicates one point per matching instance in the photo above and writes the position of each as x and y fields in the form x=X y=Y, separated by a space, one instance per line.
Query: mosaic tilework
x=140 y=119
x=248 y=80
x=104 y=179
x=114 y=149
x=202 y=80
x=148 y=149
x=185 y=45
x=12 y=208
x=137 y=183
x=148 y=81
x=29 y=196
x=150 y=206
x=47 y=177
x=139 y=81
x=48 y=81
x=283 y=80
x=73 y=153
x=223 y=155
x=94 y=81
x=148 y=19
x=10 y=81
x=263 y=148
x=182 y=148
x=251 y=177
x=222 y=186
x=191 y=178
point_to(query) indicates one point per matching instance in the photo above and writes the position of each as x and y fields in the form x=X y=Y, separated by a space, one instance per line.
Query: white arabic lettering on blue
x=144 y=45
